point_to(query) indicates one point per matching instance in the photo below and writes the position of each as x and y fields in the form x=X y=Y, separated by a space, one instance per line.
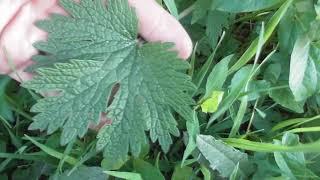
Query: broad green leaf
x=182 y=173
x=292 y=164
x=84 y=173
x=257 y=88
x=303 y=74
x=222 y=157
x=314 y=56
x=98 y=51
x=125 y=175
x=211 y=104
x=217 y=77
x=266 y=167
x=285 y=98
x=147 y=170
x=216 y=21
x=317 y=8
x=237 y=6
x=201 y=7
x=295 y=23
x=109 y=164
x=272 y=73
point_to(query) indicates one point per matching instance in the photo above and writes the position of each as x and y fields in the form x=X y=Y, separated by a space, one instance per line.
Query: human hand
x=18 y=33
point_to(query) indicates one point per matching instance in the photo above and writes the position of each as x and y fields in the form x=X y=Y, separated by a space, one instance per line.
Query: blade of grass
x=244 y=100
x=252 y=116
x=206 y=172
x=171 y=5
x=253 y=48
x=193 y=59
x=235 y=94
x=16 y=141
x=271 y=148
x=291 y=122
x=17 y=109
x=52 y=152
x=205 y=68
x=193 y=130
x=65 y=156
x=186 y=11
x=30 y=157
x=306 y=129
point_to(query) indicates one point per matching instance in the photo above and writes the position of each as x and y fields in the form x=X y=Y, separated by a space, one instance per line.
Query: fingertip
x=185 y=48
x=161 y=26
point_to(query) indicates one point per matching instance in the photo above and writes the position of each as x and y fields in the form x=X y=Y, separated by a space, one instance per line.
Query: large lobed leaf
x=88 y=54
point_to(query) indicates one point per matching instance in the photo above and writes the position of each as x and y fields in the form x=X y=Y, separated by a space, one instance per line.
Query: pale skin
x=18 y=33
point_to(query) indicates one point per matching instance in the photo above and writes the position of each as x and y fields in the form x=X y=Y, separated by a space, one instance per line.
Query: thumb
x=156 y=24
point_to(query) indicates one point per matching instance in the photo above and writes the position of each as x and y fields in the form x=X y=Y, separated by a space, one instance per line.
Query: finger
x=156 y=24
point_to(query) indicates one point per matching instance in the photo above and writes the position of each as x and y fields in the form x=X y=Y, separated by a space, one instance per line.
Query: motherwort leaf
x=92 y=51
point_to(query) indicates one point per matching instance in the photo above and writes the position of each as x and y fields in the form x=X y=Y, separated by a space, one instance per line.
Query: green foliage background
x=256 y=67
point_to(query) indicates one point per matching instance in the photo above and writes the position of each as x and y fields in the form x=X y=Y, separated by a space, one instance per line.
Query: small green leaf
x=217 y=76
x=244 y=6
x=292 y=164
x=125 y=175
x=211 y=104
x=147 y=170
x=272 y=72
x=201 y=8
x=222 y=157
x=303 y=74
x=182 y=173
x=238 y=83
x=216 y=21
x=285 y=98
x=108 y=164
